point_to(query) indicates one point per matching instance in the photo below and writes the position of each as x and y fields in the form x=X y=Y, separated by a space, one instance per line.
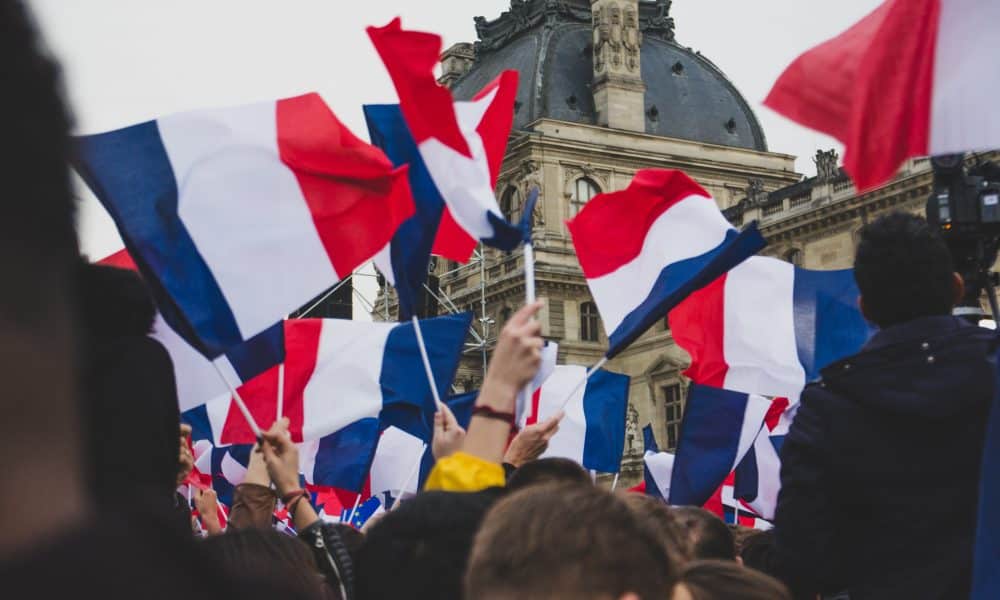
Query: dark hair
x=657 y=517
x=114 y=302
x=421 y=548
x=706 y=536
x=904 y=270
x=726 y=580
x=269 y=558
x=758 y=553
x=566 y=541
x=548 y=470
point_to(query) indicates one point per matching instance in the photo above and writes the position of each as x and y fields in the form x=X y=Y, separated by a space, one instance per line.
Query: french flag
x=195 y=376
x=718 y=429
x=913 y=78
x=768 y=327
x=646 y=248
x=338 y=372
x=237 y=217
x=342 y=459
x=758 y=476
x=404 y=262
x=657 y=467
x=402 y=462
x=461 y=144
x=593 y=431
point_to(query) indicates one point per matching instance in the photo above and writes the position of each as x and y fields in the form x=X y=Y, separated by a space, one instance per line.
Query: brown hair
x=656 y=517
x=566 y=541
x=706 y=537
x=727 y=580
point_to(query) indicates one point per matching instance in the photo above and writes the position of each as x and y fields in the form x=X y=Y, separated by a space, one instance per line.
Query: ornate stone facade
x=812 y=222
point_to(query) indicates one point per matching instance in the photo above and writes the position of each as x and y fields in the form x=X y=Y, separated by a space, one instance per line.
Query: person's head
x=740 y=535
x=269 y=558
x=114 y=303
x=726 y=580
x=420 y=549
x=566 y=541
x=904 y=271
x=706 y=537
x=548 y=470
x=39 y=245
x=657 y=517
x=758 y=553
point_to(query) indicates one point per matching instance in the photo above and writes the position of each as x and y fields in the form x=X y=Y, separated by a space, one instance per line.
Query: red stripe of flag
x=356 y=199
x=698 y=325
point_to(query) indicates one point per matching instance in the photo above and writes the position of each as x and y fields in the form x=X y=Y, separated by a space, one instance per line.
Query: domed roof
x=550 y=43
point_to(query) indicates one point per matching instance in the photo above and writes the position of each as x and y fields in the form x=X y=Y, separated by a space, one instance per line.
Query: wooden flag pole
x=614 y=483
x=240 y=404
x=350 y=515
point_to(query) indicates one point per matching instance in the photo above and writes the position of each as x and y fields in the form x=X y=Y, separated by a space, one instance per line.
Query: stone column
x=619 y=91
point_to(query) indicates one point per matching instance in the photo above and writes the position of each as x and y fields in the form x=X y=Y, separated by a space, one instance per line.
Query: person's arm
x=515 y=361
x=806 y=518
x=207 y=503
x=253 y=500
x=532 y=441
x=448 y=434
x=281 y=456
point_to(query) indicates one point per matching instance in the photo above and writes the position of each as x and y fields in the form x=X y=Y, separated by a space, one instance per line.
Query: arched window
x=794 y=256
x=583 y=190
x=589 y=322
x=510 y=201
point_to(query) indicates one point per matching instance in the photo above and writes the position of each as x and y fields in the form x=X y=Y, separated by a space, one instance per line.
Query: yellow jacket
x=463 y=472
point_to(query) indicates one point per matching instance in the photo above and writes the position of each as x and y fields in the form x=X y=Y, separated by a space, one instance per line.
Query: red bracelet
x=488 y=413
x=292 y=495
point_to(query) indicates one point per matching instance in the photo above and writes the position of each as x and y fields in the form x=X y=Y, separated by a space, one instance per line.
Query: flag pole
x=529 y=293
x=240 y=404
x=413 y=471
x=583 y=381
x=350 y=515
x=281 y=378
x=427 y=362
x=614 y=483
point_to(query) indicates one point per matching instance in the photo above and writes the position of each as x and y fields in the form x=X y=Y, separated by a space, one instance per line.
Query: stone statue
x=826 y=165
x=631 y=38
x=662 y=22
x=602 y=37
x=755 y=192
x=632 y=437
x=480 y=26
x=531 y=177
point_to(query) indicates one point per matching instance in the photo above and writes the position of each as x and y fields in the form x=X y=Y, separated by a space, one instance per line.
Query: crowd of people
x=879 y=479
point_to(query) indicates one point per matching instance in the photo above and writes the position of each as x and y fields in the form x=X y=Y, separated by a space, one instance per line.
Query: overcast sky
x=131 y=60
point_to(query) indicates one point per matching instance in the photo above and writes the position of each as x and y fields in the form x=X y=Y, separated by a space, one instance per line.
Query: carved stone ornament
x=826 y=165
x=602 y=37
x=661 y=24
x=631 y=38
x=524 y=15
x=531 y=177
x=755 y=192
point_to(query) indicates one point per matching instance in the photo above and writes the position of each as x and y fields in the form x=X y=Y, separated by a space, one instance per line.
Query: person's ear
x=957 y=288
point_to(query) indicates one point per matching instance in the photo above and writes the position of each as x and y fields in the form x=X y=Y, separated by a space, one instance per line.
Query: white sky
x=127 y=61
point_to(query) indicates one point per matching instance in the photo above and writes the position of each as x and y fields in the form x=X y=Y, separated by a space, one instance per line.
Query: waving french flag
x=461 y=144
x=657 y=467
x=338 y=372
x=915 y=77
x=237 y=217
x=404 y=262
x=342 y=459
x=718 y=429
x=768 y=327
x=758 y=476
x=593 y=431
x=646 y=248
x=402 y=462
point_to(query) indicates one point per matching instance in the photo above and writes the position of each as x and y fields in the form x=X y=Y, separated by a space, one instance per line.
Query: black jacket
x=880 y=470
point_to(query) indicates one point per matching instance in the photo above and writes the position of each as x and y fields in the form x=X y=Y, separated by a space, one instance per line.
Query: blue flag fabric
x=361 y=515
x=649 y=440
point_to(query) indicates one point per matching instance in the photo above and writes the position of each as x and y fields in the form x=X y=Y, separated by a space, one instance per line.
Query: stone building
x=605 y=90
